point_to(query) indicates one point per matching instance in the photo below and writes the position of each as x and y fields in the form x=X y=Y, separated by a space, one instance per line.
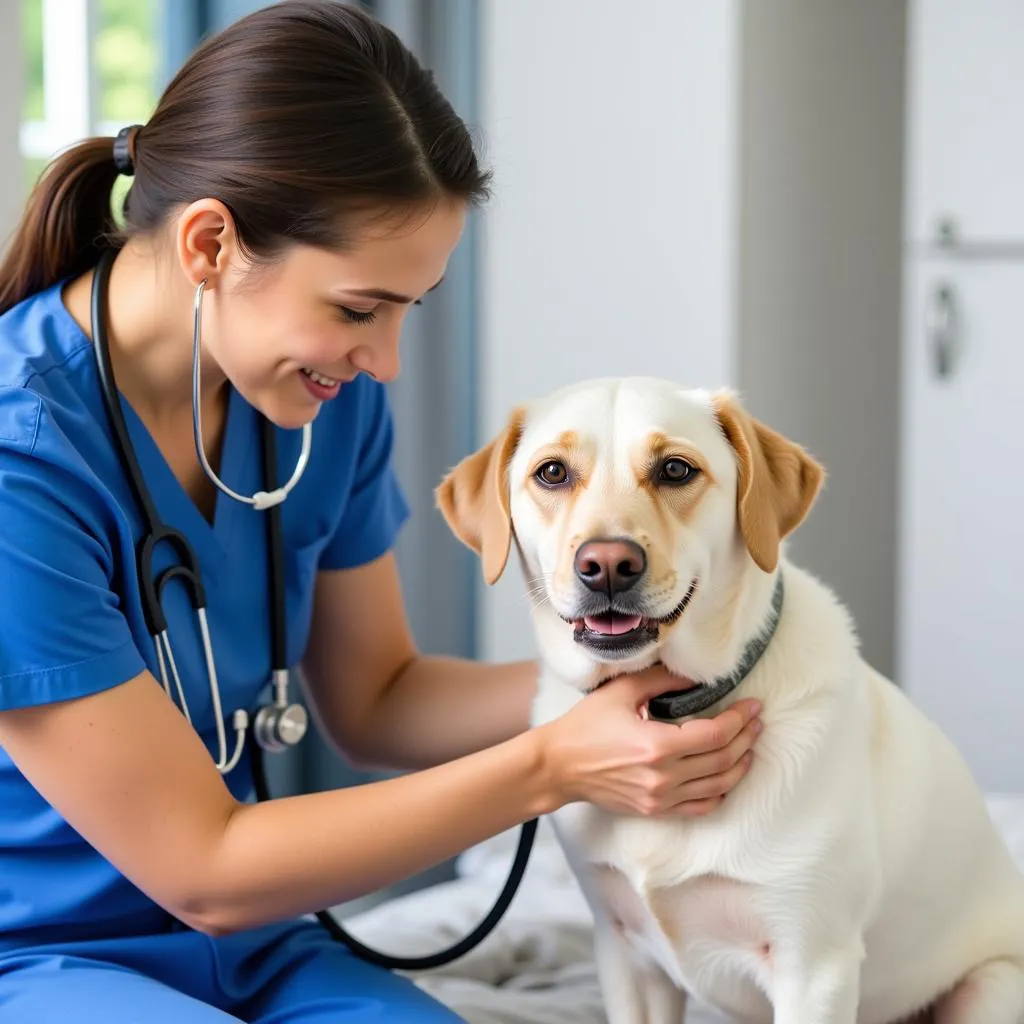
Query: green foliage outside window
x=32 y=57
x=125 y=58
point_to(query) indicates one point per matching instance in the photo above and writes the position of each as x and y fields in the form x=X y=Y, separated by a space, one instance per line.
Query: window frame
x=71 y=84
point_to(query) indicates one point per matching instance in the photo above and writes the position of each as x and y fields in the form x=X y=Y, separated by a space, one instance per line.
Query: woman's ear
x=474 y=499
x=205 y=240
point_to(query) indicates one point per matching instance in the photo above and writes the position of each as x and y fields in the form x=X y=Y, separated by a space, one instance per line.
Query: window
x=92 y=67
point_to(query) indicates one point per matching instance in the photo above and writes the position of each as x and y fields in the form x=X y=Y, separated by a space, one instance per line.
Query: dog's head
x=629 y=500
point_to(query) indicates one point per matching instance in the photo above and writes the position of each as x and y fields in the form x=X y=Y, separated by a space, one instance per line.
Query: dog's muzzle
x=617 y=628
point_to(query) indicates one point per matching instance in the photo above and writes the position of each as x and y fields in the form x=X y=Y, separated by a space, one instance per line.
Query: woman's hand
x=605 y=751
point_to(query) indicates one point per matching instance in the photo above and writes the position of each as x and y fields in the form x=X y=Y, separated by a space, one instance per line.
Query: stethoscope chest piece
x=276 y=728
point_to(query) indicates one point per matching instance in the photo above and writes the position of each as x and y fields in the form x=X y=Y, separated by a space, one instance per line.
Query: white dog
x=854 y=874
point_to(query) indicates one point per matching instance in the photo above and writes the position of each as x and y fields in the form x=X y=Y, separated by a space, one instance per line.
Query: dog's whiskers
x=536 y=589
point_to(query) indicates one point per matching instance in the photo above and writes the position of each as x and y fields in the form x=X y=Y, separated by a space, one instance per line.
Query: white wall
x=607 y=248
x=12 y=188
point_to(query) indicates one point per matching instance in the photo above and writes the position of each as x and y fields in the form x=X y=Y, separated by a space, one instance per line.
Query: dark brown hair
x=292 y=117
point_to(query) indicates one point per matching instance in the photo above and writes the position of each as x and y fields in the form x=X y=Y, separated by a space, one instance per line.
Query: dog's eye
x=676 y=471
x=552 y=473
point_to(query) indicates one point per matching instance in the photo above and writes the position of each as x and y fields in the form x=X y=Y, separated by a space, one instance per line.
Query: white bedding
x=537 y=966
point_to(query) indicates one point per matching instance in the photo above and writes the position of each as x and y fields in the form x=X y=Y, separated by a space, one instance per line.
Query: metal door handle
x=942 y=330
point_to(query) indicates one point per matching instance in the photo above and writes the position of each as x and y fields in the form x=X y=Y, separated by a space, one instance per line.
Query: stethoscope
x=281 y=724
x=278 y=725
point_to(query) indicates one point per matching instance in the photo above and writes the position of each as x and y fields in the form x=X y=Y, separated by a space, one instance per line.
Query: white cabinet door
x=962 y=518
x=965 y=82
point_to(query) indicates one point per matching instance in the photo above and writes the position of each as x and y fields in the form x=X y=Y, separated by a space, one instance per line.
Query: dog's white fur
x=853 y=875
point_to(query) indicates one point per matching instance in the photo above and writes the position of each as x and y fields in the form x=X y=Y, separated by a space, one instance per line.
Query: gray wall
x=821 y=159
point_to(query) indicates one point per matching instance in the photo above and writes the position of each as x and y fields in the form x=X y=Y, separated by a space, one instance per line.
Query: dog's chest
x=708 y=934
x=666 y=894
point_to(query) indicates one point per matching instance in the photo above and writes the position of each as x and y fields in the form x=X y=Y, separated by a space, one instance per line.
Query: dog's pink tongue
x=611 y=624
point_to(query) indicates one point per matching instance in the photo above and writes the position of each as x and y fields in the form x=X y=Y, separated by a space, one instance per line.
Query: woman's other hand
x=605 y=750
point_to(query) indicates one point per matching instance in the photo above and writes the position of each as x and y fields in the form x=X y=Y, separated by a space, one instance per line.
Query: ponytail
x=67 y=222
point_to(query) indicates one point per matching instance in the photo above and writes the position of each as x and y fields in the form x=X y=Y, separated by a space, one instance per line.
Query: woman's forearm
x=134 y=779
x=438 y=709
x=335 y=846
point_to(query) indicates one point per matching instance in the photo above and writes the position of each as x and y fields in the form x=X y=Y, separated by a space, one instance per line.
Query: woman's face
x=289 y=335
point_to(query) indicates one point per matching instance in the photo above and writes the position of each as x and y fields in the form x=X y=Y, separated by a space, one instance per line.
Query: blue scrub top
x=71 y=622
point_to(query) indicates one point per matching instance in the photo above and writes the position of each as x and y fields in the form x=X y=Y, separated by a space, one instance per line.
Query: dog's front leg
x=818 y=986
x=634 y=992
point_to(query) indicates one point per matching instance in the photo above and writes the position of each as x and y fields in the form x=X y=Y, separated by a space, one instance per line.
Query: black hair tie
x=124 y=149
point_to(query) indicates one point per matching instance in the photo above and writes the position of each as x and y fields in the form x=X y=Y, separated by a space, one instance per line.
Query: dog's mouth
x=621 y=633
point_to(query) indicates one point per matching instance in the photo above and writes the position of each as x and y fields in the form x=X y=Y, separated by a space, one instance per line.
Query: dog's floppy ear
x=474 y=499
x=778 y=481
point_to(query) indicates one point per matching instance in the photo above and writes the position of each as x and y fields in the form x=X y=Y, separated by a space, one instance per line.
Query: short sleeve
x=62 y=634
x=376 y=508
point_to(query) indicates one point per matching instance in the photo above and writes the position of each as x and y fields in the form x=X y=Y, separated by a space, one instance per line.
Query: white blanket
x=537 y=966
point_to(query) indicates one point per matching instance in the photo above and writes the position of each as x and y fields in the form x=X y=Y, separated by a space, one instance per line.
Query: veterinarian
x=301 y=183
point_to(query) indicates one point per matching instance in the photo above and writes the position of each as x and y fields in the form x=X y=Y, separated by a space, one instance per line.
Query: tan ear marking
x=778 y=481
x=474 y=499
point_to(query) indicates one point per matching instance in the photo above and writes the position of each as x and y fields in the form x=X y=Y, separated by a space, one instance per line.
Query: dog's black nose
x=610 y=566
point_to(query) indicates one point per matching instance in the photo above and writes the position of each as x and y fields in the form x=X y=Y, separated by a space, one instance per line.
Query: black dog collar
x=681 y=703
